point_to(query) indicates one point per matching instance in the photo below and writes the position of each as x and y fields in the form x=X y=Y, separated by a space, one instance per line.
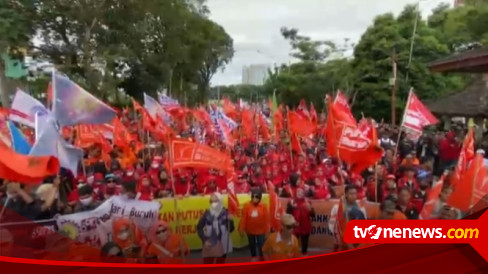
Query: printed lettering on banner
x=353 y=139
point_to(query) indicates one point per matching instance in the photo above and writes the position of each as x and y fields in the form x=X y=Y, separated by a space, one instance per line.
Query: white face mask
x=123 y=235
x=86 y=201
x=214 y=205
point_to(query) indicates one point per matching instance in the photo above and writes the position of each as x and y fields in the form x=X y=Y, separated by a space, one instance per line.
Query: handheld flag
x=19 y=143
x=416 y=115
x=73 y=105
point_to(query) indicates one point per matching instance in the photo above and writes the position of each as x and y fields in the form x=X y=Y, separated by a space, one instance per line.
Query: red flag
x=302 y=110
x=416 y=115
x=342 y=103
x=295 y=144
x=356 y=146
x=432 y=199
x=313 y=114
x=299 y=125
x=232 y=201
x=189 y=154
x=275 y=208
x=25 y=169
x=472 y=186
x=465 y=157
x=230 y=109
x=247 y=123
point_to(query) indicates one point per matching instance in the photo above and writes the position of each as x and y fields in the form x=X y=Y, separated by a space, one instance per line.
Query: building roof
x=472 y=102
x=469 y=61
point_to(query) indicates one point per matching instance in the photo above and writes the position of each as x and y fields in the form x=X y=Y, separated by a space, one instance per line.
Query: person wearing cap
x=255 y=223
x=301 y=209
x=282 y=245
x=110 y=188
x=389 y=187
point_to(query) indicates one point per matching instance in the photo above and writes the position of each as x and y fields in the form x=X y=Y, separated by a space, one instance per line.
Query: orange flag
x=26 y=169
x=275 y=208
x=432 y=199
x=230 y=109
x=121 y=134
x=247 y=124
x=313 y=114
x=299 y=125
x=472 y=186
x=466 y=155
x=183 y=153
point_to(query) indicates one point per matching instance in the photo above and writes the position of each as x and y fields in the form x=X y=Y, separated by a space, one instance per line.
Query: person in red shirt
x=449 y=150
x=320 y=189
x=303 y=212
x=242 y=186
x=277 y=178
x=145 y=191
x=389 y=187
x=221 y=181
x=211 y=186
x=358 y=181
x=409 y=180
x=182 y=186
x=258 y=179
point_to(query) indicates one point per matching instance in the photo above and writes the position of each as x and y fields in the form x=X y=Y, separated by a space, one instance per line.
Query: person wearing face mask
x=165 y=187
x=130 y=239
x=145 y=191
x=255 y=223
x=85 y=200
x=110 y=188
x=129 y=190
x=282 y=245
x=166 y=247
x=303 y=212
x=214 y=229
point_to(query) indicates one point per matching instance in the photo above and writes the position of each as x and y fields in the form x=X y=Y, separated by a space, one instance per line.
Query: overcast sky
x=255 y=26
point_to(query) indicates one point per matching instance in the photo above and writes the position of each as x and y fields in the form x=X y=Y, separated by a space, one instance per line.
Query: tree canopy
x=131 y=46
x=365 y=76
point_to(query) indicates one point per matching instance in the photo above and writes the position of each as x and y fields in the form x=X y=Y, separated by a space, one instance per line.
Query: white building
x=255 y=75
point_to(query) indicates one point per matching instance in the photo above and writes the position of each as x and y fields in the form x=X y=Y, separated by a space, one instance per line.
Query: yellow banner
x=191 y=209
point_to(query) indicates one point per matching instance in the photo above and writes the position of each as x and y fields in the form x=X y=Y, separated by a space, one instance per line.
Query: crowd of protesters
x=401 y=182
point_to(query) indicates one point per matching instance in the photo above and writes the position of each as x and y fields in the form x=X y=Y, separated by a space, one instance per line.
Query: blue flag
x=19 y=143
x=50 y=143
x=73 y=105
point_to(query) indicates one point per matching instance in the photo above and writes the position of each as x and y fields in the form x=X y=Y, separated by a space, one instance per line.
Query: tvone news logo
x=374 y=232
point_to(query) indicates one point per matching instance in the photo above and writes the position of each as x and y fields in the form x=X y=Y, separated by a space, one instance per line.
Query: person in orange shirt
x=388 y=211
x=166 y=247
x=255 y=223
x=283 y=244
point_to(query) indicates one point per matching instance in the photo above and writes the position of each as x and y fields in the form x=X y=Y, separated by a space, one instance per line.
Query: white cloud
x=255 y=25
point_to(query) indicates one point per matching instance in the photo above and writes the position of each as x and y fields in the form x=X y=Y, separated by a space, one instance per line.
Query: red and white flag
x=24 y=109
x=416 y=115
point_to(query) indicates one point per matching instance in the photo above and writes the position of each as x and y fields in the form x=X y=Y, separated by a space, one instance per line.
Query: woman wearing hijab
x=214 y=229
x=302 y=211
x=129 y=238
x=167 y=247
x=145 y=191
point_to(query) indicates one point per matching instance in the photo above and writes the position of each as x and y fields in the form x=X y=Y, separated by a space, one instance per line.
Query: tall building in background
x=255 y=75
x=458 y=3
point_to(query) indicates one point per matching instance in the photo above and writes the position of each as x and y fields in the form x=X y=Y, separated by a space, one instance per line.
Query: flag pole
x=175 y=202
x=477 y=163
x=401 y=125
x=289 y=136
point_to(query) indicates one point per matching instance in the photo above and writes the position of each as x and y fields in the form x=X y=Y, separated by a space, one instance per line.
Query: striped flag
x=24 y=108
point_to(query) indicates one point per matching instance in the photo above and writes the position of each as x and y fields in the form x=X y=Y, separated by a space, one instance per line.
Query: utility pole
x=394 y=84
